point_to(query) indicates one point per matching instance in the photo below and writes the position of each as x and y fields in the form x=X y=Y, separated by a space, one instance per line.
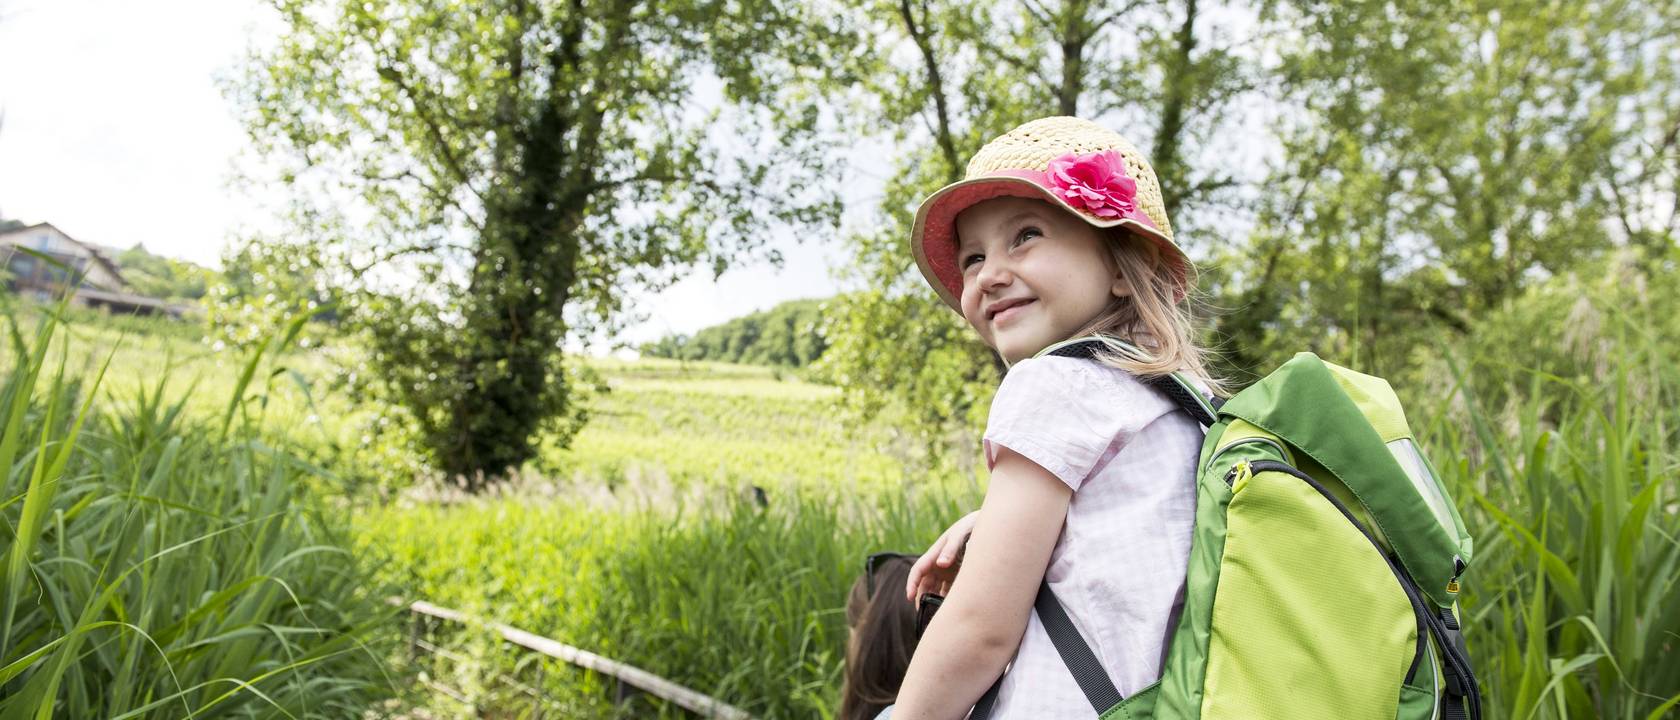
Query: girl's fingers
x=918 y=574
x=939 y=558
x=925 y=564
x=952 y=542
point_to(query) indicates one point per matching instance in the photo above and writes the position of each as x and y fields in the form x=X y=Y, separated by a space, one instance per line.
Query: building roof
x=93 y=251
x=131 y=300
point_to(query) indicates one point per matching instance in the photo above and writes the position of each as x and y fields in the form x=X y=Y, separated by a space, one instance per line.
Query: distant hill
x=788 y=335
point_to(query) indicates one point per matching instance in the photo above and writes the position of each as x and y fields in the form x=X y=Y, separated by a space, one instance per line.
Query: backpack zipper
x=1424 y=625
x=1214 y=460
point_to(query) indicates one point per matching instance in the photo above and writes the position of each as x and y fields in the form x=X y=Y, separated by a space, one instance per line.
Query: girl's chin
x=1014 y=350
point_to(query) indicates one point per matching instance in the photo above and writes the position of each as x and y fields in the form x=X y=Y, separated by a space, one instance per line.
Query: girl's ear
x=1120 y=288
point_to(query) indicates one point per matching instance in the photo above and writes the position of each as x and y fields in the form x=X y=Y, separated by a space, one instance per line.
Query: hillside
x=790 y=334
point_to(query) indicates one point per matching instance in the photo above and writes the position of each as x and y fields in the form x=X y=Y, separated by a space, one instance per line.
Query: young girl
x=1058 y=232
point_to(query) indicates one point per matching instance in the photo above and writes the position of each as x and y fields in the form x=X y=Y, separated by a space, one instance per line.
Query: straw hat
x=1080 y=166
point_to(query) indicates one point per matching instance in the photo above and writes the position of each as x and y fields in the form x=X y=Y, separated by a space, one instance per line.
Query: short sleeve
x=1068 y=415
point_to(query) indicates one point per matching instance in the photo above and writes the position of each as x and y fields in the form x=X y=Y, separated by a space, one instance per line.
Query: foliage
x=522 y=164
x=1442 y=157
x=705 y=525
x=164 y=565
x=944 y=77
x=789 y=334
x=739 y=601
x=1557 y=431
x=161 y=277
x=263 y=285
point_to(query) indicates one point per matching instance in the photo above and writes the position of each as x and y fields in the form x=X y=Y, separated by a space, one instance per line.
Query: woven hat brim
x=933 y=236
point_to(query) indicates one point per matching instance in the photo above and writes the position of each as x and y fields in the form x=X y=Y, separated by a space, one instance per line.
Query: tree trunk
x=1075 y=32
x=1168 y=166
x=526 y=267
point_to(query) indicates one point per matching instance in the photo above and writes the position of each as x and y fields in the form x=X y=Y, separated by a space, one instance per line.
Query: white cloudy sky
x=114 y=130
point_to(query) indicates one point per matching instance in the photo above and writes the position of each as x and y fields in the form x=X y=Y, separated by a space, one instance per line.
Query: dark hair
x=883 y=638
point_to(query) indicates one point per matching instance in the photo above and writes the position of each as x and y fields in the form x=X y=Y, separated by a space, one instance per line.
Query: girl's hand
x=937 y=568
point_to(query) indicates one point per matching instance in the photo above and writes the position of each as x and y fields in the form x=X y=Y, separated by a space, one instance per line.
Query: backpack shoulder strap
x=1080 y=659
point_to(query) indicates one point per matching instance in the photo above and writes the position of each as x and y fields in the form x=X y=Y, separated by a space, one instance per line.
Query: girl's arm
x=980 y=625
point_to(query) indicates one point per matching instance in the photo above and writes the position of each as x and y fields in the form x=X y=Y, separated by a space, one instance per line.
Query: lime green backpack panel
x=1181 y=684
x=1293 y=568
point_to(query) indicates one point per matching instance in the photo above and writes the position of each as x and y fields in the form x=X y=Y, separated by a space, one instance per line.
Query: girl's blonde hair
x=1162 y=330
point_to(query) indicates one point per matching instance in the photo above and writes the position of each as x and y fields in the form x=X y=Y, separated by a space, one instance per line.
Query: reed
x=165 y=564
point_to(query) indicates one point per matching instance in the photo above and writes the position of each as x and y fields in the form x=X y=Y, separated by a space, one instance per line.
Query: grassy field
x=707 y=521
x=652 y=548
x=719 y=425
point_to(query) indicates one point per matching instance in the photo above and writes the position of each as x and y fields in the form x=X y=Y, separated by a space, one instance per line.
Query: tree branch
x=1041 y=14
x=440 y=196
x=453 y=163
x=936 y=87
x=1116 y=15
x=357 y=271
x=1015 y=62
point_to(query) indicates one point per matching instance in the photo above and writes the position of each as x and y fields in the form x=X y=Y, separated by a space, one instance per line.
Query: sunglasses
x=874 y=562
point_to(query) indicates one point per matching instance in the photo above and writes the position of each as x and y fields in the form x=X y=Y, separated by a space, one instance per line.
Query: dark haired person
x=882 y=637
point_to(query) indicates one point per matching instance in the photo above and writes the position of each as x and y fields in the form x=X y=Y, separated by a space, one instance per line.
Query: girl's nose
x=993 y=273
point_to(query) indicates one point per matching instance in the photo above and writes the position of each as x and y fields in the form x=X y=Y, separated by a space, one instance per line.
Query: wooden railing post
x=414 y=620
x=629 y=678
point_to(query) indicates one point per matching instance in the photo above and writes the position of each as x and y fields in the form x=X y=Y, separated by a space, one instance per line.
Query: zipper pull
x=1232 y=475
x=1458 y=569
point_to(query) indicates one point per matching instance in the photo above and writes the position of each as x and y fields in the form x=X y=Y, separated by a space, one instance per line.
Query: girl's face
x=1032 y=274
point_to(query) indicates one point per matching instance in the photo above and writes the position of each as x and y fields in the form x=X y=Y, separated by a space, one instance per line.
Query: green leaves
x=155 y=563
x=1447 y=156
x=1576 y=584
x=521 y=165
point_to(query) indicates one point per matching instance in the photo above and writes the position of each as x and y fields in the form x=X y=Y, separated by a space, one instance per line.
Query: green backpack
x=1324 y=565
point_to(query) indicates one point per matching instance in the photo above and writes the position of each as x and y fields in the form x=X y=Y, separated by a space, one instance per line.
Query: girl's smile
x=1033 y=274
x=1004 y=310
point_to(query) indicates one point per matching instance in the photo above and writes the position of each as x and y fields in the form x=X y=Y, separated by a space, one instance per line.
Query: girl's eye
x=1022 y=236
x=970 y=260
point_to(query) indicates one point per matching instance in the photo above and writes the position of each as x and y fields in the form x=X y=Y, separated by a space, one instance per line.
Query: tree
x=521 y=163
x=1444 y=157
x=789 y=334
x=946 y=77
x=162 y=277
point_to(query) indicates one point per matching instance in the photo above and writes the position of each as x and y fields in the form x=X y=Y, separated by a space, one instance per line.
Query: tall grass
x=738 y=600
x=164 y=564
x=1559 y=440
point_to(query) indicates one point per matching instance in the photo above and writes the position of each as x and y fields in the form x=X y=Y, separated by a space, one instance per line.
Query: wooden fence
x=699 y=704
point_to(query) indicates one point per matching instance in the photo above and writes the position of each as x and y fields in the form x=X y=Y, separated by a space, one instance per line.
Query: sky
x=113 y=128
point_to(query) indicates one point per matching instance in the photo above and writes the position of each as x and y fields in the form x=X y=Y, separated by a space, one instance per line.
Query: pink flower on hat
x=1096 y=183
